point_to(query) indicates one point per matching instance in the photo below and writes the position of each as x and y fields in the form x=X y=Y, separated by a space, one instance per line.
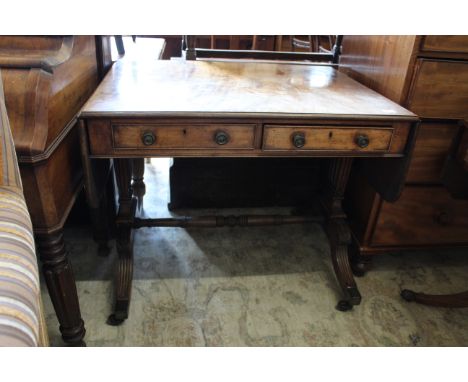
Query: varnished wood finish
x=230 y=89
x=47 y=79
x=327 y=138
x=457 y=300
x=433 y=142
x=124 y=274
x=61 y=286
x=440 y=89
x=423 y=215
x=455 y=177
x=181 y=106
x=225 y=221
x=338 y=231
x=454 y=43
x=138 y=184
x=382 y=63
x=427 y=74
x=177 y=137
x=182 y=136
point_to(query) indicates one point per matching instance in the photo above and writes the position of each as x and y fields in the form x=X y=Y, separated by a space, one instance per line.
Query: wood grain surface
x=449 y=43
x=205 y=88
x=440 y=89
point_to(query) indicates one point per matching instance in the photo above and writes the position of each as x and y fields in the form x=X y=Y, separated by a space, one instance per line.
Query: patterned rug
x=263 y=286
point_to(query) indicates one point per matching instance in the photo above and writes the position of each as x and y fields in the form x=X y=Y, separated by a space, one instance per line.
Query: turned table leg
x=138 y=173
x=339 y=233
x=124 y=275
x=60 y=282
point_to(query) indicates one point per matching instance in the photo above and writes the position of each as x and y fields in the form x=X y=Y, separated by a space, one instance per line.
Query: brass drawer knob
x=148 y=138
x=298 y=140
x=362 y=141
x=221 y=137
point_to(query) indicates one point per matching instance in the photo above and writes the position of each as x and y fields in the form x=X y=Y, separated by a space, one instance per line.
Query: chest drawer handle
x=362 y=141
x=148 y=138
x=221 y=138
x=298 y=140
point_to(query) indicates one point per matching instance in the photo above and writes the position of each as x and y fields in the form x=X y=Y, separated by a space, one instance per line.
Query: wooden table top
x=182 y=88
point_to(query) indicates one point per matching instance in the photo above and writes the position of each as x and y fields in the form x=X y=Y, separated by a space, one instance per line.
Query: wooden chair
x=455 y=178
x=193 y=52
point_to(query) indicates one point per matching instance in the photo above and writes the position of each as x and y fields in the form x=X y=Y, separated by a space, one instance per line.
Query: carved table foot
x=339 y=233
x=340 y=238
x=456 y=300
x=60 y=282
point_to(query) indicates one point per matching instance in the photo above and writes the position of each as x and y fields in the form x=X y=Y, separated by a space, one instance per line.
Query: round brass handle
x=362 y=141
x=298 y=140
x=221 y=138
x=148 y=138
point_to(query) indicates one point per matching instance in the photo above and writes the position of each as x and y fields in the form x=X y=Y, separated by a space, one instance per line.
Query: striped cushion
x=19 y=282
x=20 y=304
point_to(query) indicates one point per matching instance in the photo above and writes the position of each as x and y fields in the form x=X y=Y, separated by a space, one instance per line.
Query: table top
x=182 y=88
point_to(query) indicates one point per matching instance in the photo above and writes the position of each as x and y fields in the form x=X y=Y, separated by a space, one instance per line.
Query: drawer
x=440 y=89
x=180 y=136
x=452 y=44
x=326 y=138
x=430 y=151
x=422 y=215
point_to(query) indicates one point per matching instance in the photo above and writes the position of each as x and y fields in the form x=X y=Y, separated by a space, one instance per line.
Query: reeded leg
x=138 y=185
x=338 y=230
x=127 y=207
x=60 y=281
x=456 y=300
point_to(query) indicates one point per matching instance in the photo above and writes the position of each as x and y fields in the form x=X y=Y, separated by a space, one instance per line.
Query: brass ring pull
x=221 y=137
x=148 y=138
x=362 y=141
x=298 y=140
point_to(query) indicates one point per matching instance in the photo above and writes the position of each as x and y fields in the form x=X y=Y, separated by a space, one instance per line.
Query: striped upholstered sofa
x=21 y=316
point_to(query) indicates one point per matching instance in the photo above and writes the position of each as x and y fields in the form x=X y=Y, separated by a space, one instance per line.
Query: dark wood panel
x=383 y=63
x=422 y=216
x=453 y=43
x=431 y=149
x=440 y=89
x=72 y=84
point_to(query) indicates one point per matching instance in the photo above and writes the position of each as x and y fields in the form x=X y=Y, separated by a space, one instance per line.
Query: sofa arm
x=21 y=320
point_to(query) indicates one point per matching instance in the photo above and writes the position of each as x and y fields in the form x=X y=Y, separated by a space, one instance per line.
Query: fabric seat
x=21 y=314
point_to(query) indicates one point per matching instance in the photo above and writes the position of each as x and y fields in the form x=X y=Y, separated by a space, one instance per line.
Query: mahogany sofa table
x=245 y=109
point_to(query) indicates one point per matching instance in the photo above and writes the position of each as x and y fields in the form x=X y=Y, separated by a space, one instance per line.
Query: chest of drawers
x=428 y=75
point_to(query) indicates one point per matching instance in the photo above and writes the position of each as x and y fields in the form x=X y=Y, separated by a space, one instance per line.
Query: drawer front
x=422 y=215
x=326 y=138
x=190 y=136
x=430 y=152
x=440 y=89
x=450 y=44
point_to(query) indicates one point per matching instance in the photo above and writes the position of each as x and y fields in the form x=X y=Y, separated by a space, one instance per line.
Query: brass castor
x=114 y=321
x=408 y=295
x=344 y=306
